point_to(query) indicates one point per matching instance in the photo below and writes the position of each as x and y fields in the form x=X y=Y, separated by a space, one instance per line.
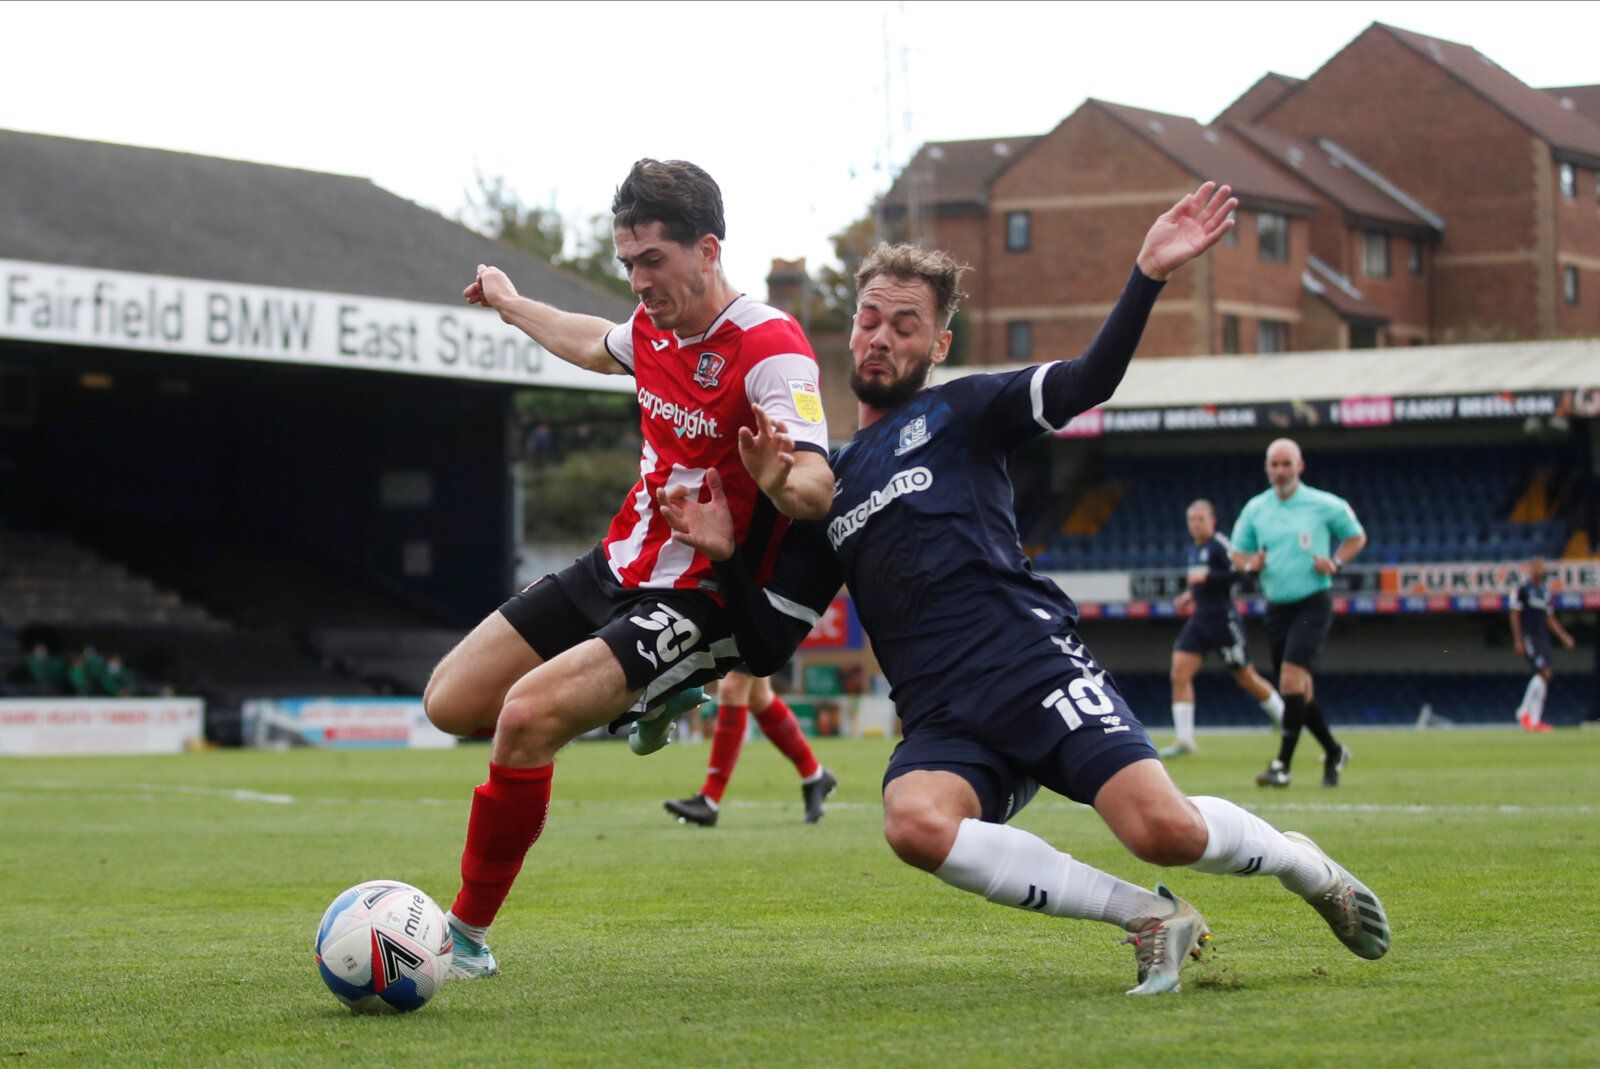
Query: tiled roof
x=1327 y=172
x=1267 y=91
x=1564 y=128
x=1208 y=152
x=121 y=208
x=955 y=172
x=1585 y=100
x=1328 y=285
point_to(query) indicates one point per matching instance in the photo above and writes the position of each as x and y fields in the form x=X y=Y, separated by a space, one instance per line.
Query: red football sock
x=508 y=814
x=777 y=723
x=726 y=741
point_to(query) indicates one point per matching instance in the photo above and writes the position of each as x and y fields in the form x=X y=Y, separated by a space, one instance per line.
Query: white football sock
x=1183 y=722
x=1533 y=699
x=1239 y=843
x=1273 y=707
x=1012 y=867
x=472 y=931
x=1527 y=695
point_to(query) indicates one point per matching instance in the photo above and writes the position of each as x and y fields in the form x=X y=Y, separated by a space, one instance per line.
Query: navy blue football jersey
x=1213 y=595
x=923 y=529
x=1531 y=602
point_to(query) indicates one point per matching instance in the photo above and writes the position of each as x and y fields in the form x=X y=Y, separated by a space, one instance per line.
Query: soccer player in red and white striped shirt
x=638 y=619
x=738 y=695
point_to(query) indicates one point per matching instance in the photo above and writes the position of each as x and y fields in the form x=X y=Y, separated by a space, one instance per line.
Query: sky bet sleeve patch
x=807 y=400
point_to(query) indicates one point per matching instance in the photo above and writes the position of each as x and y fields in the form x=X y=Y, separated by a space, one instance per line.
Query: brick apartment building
x=1410 y=191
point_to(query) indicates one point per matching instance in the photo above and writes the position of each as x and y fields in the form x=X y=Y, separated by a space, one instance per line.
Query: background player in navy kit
x=636 y=620
x=1533 y=620
x=1214 y=625
x=996 y=692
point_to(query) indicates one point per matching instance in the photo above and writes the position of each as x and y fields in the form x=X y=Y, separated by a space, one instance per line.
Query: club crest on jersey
x=912 y=435
x=708 y=369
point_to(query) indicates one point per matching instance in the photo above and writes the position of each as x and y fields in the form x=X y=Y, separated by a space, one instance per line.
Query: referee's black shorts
x=1298 y=629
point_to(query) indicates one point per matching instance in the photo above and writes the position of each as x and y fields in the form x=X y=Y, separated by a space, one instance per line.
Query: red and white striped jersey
x=694 y=395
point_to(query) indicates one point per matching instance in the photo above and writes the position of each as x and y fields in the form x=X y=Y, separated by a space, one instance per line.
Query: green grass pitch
x=159 y=911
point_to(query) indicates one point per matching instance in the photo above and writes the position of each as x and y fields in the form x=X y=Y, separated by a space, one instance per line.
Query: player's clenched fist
x=491 y=288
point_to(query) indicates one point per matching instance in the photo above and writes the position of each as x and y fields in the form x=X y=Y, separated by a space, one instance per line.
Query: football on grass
x=383 y=947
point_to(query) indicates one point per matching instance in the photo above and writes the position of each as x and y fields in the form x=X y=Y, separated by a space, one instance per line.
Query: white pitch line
x=152 y=792
x=1373 y=807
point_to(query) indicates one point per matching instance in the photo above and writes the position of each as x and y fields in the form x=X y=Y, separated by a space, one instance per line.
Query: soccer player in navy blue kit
x=1533 y=621
x=996 y=692
x=1214 y=625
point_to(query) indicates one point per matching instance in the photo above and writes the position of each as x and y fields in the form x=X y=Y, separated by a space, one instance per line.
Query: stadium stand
x=391 y=660
x=56 y=589
x=1376 y=699
x=48 y=578
x=1504 y=511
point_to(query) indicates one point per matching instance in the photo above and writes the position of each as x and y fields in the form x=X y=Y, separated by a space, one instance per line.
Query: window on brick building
x=1019 y=231
x=1272 y=336
x=1230 y=334
x=1019 y=340
x=1232 y=236
x=1414 y=259
x=1363 y=336
x=1375 y=254
x=1569 y=181
x=1569 y=284
x=1272 y=229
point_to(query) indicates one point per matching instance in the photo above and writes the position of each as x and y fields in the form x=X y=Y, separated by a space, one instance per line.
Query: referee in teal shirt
x=1286 y=535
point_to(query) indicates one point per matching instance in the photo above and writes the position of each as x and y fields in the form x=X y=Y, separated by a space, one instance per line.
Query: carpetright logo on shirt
x=685 y=423
x=910 y=481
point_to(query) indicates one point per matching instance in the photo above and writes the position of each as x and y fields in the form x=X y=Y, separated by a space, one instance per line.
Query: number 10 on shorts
x=1085 y=696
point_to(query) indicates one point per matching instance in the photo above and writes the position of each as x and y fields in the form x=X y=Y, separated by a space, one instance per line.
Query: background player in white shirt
x=637 y=620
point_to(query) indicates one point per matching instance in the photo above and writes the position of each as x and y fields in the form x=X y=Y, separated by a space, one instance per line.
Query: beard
x=894 y=393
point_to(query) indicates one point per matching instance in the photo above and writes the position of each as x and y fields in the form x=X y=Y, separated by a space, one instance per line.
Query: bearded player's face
x=671 y=280
x=895 y=340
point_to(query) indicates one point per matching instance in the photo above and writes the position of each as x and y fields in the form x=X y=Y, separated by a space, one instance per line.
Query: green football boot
x=655 y=731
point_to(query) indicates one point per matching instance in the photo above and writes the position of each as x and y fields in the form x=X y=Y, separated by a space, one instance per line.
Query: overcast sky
x=801 y=111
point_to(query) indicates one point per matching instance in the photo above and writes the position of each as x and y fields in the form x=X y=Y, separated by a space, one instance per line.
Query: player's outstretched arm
x=1516 y=627
x=577 y=339
x=800 y=483
x=1186 y=230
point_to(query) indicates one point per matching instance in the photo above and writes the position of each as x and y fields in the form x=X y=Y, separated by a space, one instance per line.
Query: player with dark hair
x=740 y=694
x=1214 y=625
x=996 y=691
x=1533 y=621
x=635 y=624
x=1286 y=535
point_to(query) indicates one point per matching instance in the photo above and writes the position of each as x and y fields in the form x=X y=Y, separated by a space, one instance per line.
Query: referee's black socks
x=1319 y=727
x=1294 y=718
